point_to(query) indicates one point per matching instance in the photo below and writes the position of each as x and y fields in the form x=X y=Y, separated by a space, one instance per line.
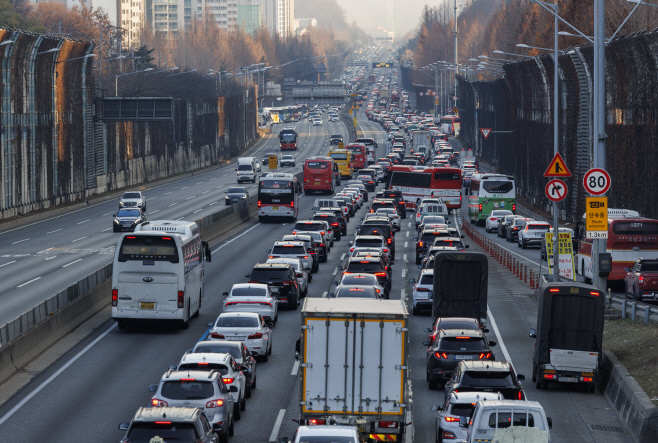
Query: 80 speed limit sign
x=596 y=181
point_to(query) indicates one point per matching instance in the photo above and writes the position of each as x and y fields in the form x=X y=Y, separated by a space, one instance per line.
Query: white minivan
x=493 y=419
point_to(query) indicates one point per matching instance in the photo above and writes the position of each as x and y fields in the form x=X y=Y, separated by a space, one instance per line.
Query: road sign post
x=597 y=182
x=596 y=217
x=556 y=169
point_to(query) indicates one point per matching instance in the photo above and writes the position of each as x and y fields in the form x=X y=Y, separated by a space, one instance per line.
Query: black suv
x=379 y=227
x=426 y=239
x=333 y=221
x=342 y=220
x=281 y=278
x=504 y=222
x=369 y=265
x=488 y=376
x=452 y=346
x=396 y=195
x=335 y=139
x=181 y=424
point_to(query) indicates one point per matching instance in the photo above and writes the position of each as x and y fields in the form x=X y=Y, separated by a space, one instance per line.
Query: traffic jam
x=410 y=199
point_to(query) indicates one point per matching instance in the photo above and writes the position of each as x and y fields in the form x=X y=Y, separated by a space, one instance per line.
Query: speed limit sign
x=596 y=181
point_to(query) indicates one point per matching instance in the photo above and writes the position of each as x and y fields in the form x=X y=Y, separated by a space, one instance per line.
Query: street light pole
x=556 y=205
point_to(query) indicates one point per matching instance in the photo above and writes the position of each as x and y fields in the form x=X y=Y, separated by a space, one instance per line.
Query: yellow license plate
x=275 y=208
x=147 y=305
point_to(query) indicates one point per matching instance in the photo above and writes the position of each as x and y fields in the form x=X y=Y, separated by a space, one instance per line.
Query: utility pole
x=456 y=56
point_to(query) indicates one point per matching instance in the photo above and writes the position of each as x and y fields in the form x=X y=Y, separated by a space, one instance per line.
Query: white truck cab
x=247 y=169
x=498 y=419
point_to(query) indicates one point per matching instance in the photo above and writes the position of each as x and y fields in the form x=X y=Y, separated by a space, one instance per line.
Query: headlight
x=135 y=222
x=120 y=203
x=116 y=221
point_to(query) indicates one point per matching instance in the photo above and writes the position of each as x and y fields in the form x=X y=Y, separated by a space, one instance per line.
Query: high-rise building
x=250 y=15
x=225 y=12
x=279 y=17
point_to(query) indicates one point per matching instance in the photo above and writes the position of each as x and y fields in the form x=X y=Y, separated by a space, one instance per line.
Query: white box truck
x=354 y=365
x=421 y=138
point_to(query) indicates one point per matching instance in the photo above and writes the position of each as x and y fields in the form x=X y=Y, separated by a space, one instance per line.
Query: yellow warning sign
x=596 y=216
x=557 y=168
x=273 y=161
x=275 y=118
x=565 y=254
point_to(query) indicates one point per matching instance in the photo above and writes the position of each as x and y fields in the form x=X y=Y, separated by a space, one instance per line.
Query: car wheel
x=186 y=323
x=243 y=405
x=539 y=385
x=247 y=392
x=264 y=357
x=439 y=435
x=236 y=411
x=518 y=244
x=294 y=304
x=253 y=385
x=122 y=324
x=114 y=229
x=414 y=311
x=524 y=245
x=310 y=278
x=433 y=385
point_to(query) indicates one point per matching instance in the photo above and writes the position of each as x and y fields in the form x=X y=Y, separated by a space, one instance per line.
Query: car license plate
x=147 y=305
x=274 y=290
x=275 y=208
x=568 y=379
x=235 y=338
x=463 y=357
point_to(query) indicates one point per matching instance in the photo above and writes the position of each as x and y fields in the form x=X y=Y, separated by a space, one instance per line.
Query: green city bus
x=488 y=192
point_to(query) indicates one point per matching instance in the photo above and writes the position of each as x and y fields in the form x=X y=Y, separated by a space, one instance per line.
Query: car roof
x=210 y=357
x=326 y=431
x=368 y=237
x=242 y=314
x=175 y=414
x=471 y=397
x=484 y=366
x=271 y=266
x=292 y=243
x=473 y=333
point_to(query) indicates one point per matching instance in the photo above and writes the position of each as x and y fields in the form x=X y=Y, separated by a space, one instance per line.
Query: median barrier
x=26 y=337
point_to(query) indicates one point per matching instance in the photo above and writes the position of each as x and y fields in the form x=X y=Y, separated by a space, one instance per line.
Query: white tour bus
x=158 y=273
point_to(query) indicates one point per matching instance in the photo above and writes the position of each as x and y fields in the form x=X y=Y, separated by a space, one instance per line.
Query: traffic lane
x=113 y=362
x=24 y=278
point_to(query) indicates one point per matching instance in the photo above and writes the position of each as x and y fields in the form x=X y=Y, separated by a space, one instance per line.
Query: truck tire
x=414 y=311
x=539 y=385
x=591 y=389
x=293 y=305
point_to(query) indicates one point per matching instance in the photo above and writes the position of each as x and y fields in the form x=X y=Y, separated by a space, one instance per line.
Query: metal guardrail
x=649 y=312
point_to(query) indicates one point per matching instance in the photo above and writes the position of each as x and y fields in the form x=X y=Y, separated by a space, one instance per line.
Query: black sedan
x=235 y=195
x=127 y=220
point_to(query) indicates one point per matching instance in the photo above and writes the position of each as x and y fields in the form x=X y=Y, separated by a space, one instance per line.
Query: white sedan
x=317 y=122
x=491 y=222
x=248 y=327
x=252 y=297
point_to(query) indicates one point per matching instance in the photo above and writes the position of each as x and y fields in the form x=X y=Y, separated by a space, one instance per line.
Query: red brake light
x=115 y=297
x=202 y=363
x=587 y=379
x=162 y=422
x=485 y=355
x=166 y=238
x=315 y=422
x=420 y=244
x=480 y=206
x=440 y=355
x=228 y=381
x=380 y=274
x=158 y=403
x=389 y=241
x=258 y=204
x=215 y=403
x=216 y=335
x=519 y=395
x=181 y=299
x=514 y=207
x=131 y=236
x=452 y=419
x=463 y=338
x=554 y=290
x=256 y=335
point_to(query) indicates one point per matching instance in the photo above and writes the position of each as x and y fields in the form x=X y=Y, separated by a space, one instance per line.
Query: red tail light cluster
x=115 y=297
x=315 y=422
x=181 y=299
x=157 y=403
x=254 y=336
x=440 y=355
x=484 y=355
x=215 y=403
x=388 y=424
x=451 y=419
x=227 y=381
x=216 y=335
x=258 y=204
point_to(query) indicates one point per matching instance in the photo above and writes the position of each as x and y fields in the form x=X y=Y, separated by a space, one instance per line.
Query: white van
x=492 y=419
x=247 y=169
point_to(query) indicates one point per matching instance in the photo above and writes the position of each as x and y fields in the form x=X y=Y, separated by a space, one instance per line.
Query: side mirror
x=533 y=333
x=233 y=388
x=520 y=377
x=124 y=426
x=550 y=422
x=268 y=250
x=436 y=408
x=420 y=266
x=412 y=280
x=463 y=421
x=427 y=343
x=236 y=169
x=153 y=388
x=225 y=192
x=270 y=324
x=114 y=215
x=225 y=294
x=211 y=324
x=492 y=343
x=335 y=282
x=247 y=275
x=340 y=268
x=427 y=330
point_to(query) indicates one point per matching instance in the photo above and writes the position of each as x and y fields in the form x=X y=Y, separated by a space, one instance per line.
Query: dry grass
x=636 y=345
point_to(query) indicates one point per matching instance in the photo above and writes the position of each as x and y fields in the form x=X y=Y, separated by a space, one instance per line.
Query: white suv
x=532 y=233
x=422 y=292
x=292 y=249
x=491 y=222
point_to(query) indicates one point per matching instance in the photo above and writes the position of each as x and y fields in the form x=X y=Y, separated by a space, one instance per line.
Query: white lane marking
x=277 y=425
x=501 y=343
x=8 y=263
x=153 y=212
x=404 y=257
x=51 y=258
x=295 y=368
x=20 y=241
x=27 y=283
x=185 y=187
x=45 y=250
x=213 y=203
x=54 y=376
x=152 y=198
x=173 y=204
x=404 y=273
x=335 y=271
x=84 y=221
x=167 y=193
x=324 y=294
x=57 y=230
x=409 y=224
x=104 y=215
x=198 y=210
x=402 y=294
x=237 y=237
x=190 y=198
x=406 y=244
x=104 y=230
x=342 y=257
x=180 y=218
x=205 y=192
x=78 y=239
x=200 y=183
x=72 y=263
x=407 y=233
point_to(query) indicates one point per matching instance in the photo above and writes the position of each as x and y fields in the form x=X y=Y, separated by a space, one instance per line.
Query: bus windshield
x=338 y=155
x=497 y=186
x=287 y=137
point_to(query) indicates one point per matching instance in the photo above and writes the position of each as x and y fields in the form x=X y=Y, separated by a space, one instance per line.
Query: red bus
x=629 y=237
x=319 y=175
x=288 y=139
x=417 y=182
x=278 y=196
x=450 y=124
x=358 y=155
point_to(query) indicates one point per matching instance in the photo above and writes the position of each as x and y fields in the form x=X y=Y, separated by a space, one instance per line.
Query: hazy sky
x=372 y=13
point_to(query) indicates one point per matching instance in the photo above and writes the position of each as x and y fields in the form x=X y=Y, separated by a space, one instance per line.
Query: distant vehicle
x=174 y=253
x=317 y=122
x=642 y=280
x=358 y=155
x=183 y=423
x=319 y=175
x=455 y=407
x=532 y=234
x=133 y=199
x=278 y=196
x=343 y=160
x=450 y=124
x=507 y=420
x=489 y=192
x=235 y=195
x=287 y=160
x=127 y=220
x=288 y=139
x=247 y=168
x=418 y=182
x=335 y=139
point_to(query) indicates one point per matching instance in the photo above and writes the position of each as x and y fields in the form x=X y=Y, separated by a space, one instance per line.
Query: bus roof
x=277 y=175
x=491 y=177
x=182 y=228
x=619 y=214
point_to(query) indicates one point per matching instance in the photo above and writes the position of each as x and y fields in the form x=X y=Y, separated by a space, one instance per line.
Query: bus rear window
x=275 y=184
x=137 y=247
x=446 y=176
x=635 y=228
x=497 y=186
x=317 y=165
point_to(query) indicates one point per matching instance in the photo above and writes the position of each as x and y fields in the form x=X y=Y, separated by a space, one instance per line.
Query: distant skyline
x=372 y=13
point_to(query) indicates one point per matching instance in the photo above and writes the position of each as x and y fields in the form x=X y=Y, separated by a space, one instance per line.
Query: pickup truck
x=642 y=279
